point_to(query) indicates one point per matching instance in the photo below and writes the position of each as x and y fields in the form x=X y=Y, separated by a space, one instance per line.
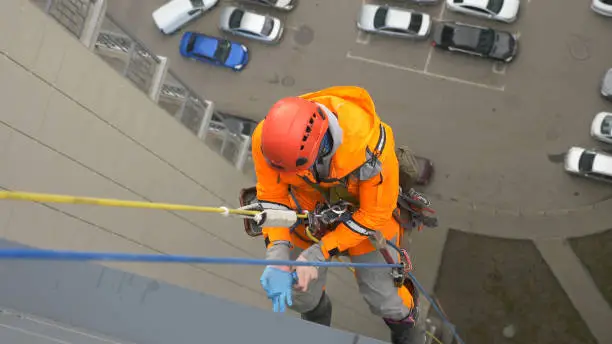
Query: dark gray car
x=606 y=85
x=476 y=40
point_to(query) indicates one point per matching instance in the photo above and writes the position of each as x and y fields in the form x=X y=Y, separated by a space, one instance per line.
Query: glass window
x=202 y=56
x=475 y=9
x=585 y=163
x=416 y=19
x=495 y=6
x=197 y=3
x=268 y=26
x=380 y=17
x=485 y=41
x=191 y=43
x=235 y=19
x=606 y=125
x=223 y=50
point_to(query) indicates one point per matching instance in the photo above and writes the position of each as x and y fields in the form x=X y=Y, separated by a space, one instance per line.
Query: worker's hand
x=305 y=274
x=277 y=282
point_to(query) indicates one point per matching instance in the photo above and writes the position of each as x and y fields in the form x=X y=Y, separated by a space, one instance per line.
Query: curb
x=517 y=224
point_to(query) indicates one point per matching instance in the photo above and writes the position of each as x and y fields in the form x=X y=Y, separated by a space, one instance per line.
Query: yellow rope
x=433 y=337
x=53 y=198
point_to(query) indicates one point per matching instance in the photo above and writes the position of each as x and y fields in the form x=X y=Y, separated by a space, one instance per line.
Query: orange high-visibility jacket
x=376 y=187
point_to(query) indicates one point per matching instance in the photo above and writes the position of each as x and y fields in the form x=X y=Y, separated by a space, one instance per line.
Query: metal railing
x=126 y=54
x=72 y=14
x=225 y=134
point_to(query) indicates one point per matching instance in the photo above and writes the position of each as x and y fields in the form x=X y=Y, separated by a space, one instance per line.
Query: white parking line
x=431 y=49
x=363 y=38
x=423 y=72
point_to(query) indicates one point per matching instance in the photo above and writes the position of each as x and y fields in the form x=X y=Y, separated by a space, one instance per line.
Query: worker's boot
x=322 y=313
x=405 y=331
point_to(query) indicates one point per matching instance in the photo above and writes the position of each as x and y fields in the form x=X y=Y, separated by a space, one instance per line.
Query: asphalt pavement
x=496 y=133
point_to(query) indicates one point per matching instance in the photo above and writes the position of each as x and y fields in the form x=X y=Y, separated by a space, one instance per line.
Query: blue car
x=217 y=51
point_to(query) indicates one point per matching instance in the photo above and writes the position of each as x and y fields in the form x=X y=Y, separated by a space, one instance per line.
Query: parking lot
x=495 y=132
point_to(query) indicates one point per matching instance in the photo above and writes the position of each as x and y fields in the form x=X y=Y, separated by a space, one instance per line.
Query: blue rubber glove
x=278 y=285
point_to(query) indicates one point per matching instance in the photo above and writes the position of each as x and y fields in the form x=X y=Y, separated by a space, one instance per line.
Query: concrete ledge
x=143 y=310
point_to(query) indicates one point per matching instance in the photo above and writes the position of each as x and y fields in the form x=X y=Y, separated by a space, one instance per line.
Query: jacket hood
x=361 y=127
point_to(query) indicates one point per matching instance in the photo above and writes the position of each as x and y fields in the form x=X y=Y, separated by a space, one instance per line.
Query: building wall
x=72 y=125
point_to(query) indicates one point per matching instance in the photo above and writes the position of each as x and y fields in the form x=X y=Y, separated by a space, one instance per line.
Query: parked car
x=394 y=21
x=601 y=127
x=175 y=14
x=589 y=163
x=284 y=5
x=241 y=22
x=213 y=50
x=606 y=85
x=476 y=40
x=500 y=10
x=603 y=7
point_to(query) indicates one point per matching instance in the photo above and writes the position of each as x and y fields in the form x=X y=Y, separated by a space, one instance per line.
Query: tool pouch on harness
x=411 y=205
x=249 y=196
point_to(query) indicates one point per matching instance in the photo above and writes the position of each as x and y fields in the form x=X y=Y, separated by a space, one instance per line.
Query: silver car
x=603 y=7
x=241 y=22
x=601 y=127
x=394 y=21
x=589 y=163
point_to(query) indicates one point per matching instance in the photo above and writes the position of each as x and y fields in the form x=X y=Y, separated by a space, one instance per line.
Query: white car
x=601 y=127
x=603 y=7
x=175 y=14
x=241 y=22
x=393 y=21
x=589 y=163
x=500 y=10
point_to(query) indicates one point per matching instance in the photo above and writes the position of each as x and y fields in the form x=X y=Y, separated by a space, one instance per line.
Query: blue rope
x=430 y=300
x=34 y=254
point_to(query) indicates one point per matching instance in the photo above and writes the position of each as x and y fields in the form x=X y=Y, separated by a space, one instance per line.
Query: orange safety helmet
x=292 y=133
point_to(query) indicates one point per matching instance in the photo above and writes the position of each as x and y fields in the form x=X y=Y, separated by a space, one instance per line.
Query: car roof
x=463 y=35
x=205 y=45
x=252 y=21
x=398 y=18
x=602 y=163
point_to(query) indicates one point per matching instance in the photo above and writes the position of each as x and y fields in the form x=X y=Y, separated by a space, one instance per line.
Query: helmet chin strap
x=321 y=166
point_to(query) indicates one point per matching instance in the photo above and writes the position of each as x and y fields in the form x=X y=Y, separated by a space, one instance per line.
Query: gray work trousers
x=375 y=285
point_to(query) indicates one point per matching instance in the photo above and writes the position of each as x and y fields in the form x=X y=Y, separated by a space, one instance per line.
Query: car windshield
x=223 y=50
x=585 y=163
x=268 y=26
x=191 y=43
x=197 y=3
x=416 y=19
x=495 y=5
x=607 y=2
x=380 y=17
x=485 y=41
x=235 y=19
x=606 y=126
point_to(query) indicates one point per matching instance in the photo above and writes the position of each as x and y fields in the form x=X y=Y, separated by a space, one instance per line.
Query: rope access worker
x=330 y=141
